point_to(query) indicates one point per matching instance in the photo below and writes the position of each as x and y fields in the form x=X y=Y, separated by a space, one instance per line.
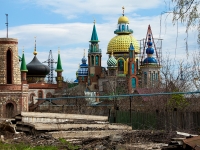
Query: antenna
x=7 y=23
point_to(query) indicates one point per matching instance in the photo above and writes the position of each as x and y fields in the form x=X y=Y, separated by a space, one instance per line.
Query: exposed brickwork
x=13 y=96
x=9 y=44
x=42 y=86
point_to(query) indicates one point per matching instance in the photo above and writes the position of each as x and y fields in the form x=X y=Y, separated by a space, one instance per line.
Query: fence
x=153 y=111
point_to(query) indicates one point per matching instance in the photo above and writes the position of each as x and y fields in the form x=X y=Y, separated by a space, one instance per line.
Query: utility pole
x=50 y=62
x=7 y=24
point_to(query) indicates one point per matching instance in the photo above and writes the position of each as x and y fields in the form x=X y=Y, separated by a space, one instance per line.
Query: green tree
x=177 y=101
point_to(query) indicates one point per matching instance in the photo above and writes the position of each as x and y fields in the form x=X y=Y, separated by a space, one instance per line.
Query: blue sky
x=68 y=25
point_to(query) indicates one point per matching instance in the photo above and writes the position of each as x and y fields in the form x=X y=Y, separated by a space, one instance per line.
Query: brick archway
x=10 y=108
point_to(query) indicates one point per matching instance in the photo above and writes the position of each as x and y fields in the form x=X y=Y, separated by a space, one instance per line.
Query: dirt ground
x=142 y=139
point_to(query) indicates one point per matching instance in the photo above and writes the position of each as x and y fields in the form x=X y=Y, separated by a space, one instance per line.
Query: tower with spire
x=94 y=61
x=23 y=69
x=59 y=71
x=150 y=66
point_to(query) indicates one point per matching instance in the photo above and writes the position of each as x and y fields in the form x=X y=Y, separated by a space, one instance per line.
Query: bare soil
x=124 y=141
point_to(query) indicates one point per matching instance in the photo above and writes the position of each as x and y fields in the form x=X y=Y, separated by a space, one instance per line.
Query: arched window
x=32 y=97
x=9 y=66
x=121 y=65
x=9 y=110
x=133 y=83
x=48 y=95
x=123 y=27
x=97 y=60
x=40 y=94
x=92 y=60
x=119 y=28
x=127 y=27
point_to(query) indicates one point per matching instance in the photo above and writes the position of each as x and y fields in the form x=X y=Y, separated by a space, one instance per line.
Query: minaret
x=132 y=78
x=59 y=71
x=150 y=66
x=23 y=69
x=94 y=60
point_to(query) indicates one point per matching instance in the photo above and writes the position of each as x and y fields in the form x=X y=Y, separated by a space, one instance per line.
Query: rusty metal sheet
x=194 y=142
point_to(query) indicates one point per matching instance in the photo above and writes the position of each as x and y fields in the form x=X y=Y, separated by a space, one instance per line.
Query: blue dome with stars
x=83 y=70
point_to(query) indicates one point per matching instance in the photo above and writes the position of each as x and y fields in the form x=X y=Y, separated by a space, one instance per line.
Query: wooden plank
x=185 y=134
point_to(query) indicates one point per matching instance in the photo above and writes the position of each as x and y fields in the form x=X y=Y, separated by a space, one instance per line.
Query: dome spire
x=94 y=37
x=35 y=52
x=59 y=64
x=23 y=63
x=123 y=10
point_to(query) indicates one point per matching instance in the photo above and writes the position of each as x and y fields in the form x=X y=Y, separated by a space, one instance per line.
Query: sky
x=68 y=25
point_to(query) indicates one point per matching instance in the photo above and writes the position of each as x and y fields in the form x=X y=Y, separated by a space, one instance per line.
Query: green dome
x=112 y=62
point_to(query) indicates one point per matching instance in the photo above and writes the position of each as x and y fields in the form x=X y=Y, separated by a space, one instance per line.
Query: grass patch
x=22 y=146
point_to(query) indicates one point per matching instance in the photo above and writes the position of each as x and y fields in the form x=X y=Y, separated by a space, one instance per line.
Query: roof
x=23 y=64
x=94 y=37
x=59 y=64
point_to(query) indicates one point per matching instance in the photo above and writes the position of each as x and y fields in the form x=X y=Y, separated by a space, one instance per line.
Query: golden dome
x=123 y=19
x=121 y=43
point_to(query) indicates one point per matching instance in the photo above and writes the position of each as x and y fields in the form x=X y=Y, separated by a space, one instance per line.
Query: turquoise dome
x=112 y=62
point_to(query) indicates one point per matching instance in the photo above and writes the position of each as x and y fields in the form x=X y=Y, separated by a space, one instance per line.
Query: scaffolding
x=50 y=61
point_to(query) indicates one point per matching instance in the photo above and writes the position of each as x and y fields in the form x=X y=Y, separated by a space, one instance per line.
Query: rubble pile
x=87 y=132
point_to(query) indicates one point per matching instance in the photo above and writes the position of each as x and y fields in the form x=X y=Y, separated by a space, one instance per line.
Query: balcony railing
x=94 y=50
x=123 y=31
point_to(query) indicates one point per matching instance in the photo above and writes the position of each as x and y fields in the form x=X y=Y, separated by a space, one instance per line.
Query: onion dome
x=150 y=60
x=121 y=43
x=84 y=60
x=123 y=19
x=149 y=50
x=36 y=68
x=83 y=70
x=112 y=62
x=23 y=64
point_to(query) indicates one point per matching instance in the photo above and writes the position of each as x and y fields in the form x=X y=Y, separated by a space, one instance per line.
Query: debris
x=187 y=141
x=6 y=125
x=193 y=142
x=2 y=138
